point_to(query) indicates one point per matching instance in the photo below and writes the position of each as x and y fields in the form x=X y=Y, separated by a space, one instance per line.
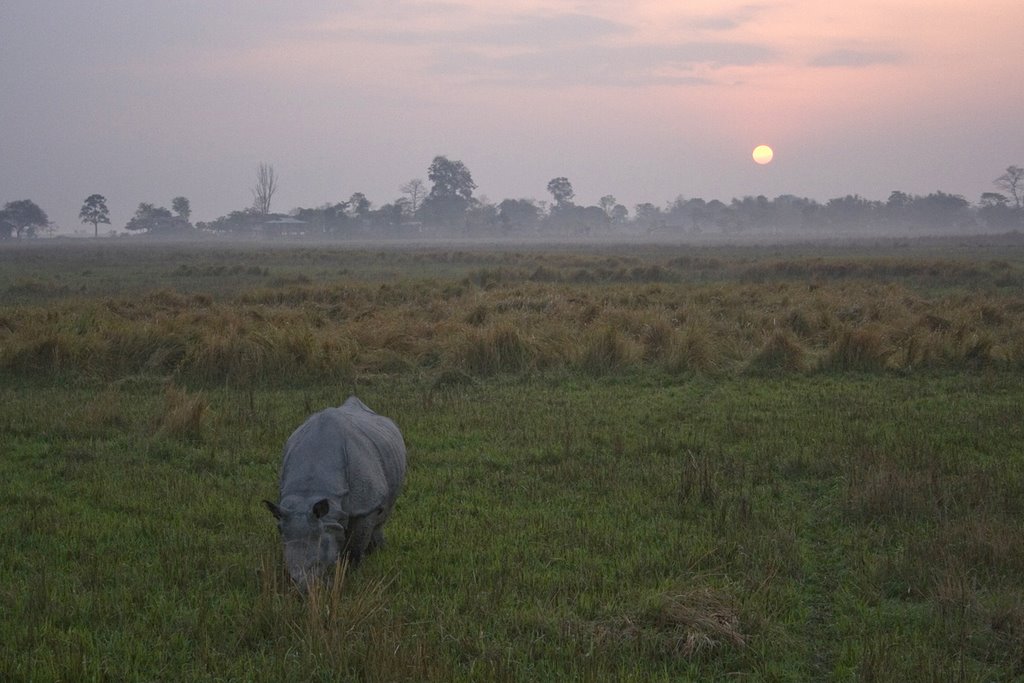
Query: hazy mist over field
x=643 y=102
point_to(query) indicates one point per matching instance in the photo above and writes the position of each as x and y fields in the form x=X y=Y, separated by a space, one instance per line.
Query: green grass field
x=788 y=463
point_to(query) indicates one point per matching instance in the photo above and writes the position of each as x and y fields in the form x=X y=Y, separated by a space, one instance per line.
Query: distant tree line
x=448 y=206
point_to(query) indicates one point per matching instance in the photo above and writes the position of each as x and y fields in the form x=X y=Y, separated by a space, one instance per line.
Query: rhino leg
x=366 y=534
x=376 y=539
x=360 y=532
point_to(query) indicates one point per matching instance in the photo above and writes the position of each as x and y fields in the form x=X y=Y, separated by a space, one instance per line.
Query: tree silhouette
x=1013 y=183
x=150 y=218
x=415 y=188
x=450 y=193
x=24 y=216
x=561 y=190
x=182 y=207
x=95 y=211
x=264 y=189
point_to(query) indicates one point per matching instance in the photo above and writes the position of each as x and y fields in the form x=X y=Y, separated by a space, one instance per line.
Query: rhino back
x=349 y=454
x=376 y=456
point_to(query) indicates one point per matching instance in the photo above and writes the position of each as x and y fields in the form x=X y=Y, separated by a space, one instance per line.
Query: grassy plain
x=632 y=463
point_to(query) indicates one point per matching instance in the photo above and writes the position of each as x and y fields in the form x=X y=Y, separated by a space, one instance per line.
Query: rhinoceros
x=341 y=473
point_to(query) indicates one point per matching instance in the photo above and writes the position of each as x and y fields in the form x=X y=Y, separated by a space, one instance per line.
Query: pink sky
x=643 y=100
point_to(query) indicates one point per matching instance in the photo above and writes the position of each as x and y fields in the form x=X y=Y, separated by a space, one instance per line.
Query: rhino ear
x=321 y=507
x=274 y=510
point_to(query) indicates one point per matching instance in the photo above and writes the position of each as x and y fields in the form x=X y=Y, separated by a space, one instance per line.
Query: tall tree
x=359 y=205
x=182 y=207
x=264 y=189
x=95 y=211
x=619 y=214
x=1013 y=183
x=451 y=192
x=24 y=216
x=607 y=203
x=415 y=189
x=561 y=190
x=450 y=179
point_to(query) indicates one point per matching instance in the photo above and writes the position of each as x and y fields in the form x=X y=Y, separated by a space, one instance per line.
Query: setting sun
x=763 y=154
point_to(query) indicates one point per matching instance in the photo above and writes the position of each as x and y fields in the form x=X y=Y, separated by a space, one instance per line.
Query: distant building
x=282 y=226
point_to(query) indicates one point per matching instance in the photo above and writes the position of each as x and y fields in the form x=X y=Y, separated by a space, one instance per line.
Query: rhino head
x=312 y=542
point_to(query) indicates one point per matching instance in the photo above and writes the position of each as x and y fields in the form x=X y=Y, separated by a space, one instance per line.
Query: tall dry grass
x=182 y=416
x=625 y=314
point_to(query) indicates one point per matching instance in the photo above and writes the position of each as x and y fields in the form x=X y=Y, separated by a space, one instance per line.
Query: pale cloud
x=635 y=65
x=543 y=49
x=856 y=58
x=727 y=20
x=473 y=30
x=557 y=29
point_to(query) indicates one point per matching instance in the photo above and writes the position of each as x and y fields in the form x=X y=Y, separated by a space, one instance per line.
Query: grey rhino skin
x=342 y=471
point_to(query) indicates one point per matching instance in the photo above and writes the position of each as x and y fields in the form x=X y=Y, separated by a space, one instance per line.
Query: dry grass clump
x=701 y=620
x=781 y=354
x=495 y=349
x=241 y=354
x=861 y=349
x=658 y=339
x=607 y=350
x=688 y=624
x=182 y=416
x=694 y=351
x=45 y=351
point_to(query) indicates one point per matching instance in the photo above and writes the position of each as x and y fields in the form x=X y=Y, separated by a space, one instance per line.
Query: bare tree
x=415 y=188
x=266 y=186
x=1013 y=182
